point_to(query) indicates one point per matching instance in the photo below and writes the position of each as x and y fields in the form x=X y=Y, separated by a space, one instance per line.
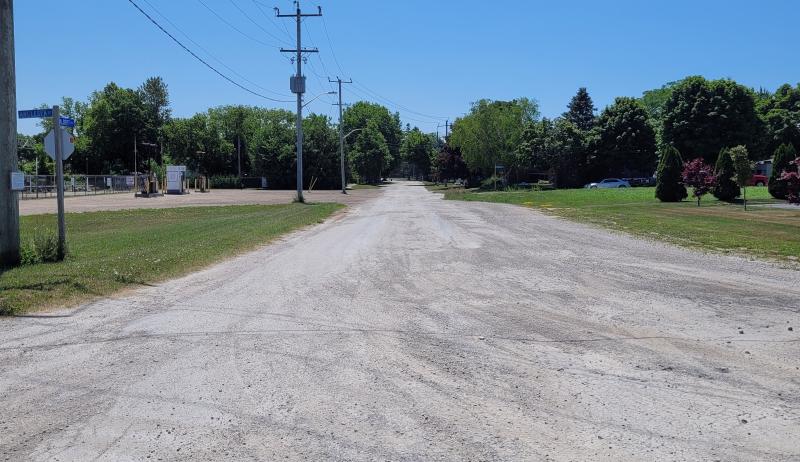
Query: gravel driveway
x=413 y=328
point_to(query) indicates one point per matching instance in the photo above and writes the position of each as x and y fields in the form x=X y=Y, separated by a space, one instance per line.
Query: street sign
x=66 y=122
x=67 y=144
x=17 y=181
x=36 y=113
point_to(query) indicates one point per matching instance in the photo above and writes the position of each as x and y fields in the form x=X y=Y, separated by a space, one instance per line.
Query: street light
x=344 y=181
x=318 y=96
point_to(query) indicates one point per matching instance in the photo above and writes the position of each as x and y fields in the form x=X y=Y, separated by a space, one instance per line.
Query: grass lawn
x=110 y=251
x=765 y=232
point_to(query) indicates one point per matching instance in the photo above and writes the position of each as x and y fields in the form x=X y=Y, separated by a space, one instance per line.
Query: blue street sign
x=66 y=122
x=36 y=114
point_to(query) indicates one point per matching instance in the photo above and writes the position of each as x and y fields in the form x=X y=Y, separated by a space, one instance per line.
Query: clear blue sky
x=432 y=57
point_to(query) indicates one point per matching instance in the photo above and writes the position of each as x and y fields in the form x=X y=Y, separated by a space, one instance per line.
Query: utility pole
x=341 y=130
x=9 y=207
x=135 y=161
x=298 y=85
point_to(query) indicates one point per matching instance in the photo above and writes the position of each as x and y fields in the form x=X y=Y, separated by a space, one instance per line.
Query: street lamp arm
x=318 y=96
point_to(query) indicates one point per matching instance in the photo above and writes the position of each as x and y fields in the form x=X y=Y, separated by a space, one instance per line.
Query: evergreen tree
x=780 y=162
x=581 y=110
x=726 y=188
x=668 y=176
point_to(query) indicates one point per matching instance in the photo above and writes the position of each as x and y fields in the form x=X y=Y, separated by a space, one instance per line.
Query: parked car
x=758 y=180
x=609 y=183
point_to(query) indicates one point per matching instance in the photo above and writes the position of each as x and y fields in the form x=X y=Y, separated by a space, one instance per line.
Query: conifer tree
x=669 y=187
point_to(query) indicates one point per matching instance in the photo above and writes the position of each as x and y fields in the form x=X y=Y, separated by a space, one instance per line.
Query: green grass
x=763 y=232
x=357 y=186
x=111 y=251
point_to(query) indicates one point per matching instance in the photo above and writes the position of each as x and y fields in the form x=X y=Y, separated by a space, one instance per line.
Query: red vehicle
x=758 y=180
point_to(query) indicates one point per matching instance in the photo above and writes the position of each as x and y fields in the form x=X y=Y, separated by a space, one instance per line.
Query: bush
x=700 y=176
x=225 y=182
x=726 y=188
x=668 y=176
x=780 y=163
x=792 y=178
x=42 y=248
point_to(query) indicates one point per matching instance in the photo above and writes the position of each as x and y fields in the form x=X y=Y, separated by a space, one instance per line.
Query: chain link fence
x=43 y=186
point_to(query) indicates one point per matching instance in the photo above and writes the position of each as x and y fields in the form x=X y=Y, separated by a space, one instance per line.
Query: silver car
x=609 y=183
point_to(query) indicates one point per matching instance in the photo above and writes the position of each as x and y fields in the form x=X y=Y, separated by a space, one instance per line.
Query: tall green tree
x=321 y=161
x=726 y=188
x=361 y=114
x=370 y=155
x=556 y=147
x=669 y=186
x=492 y=131
x=784 y=154
x=780 y=112
x=580 y=110
x=418 y=149
x=624 y=143
x=703 y=116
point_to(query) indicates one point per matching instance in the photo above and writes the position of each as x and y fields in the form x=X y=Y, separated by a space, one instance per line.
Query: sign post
x=62 y=227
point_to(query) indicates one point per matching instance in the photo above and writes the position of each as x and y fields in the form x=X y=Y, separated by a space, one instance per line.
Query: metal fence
x=42 y=186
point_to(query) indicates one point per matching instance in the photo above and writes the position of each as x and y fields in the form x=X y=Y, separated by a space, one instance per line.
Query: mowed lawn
x=761 y=231
x=110 y=251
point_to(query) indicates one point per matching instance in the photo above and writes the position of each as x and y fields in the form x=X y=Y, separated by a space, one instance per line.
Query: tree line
x=227 y=141
x=697 y=117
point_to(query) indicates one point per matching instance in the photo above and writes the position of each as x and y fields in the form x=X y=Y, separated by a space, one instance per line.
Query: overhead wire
x=210 y=54
x=232 y=26
x=279 y=39
x=188 y=50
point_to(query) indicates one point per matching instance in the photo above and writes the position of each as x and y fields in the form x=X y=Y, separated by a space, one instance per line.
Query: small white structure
x=176 y=174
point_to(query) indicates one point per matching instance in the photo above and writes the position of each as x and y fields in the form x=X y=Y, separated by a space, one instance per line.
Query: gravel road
x=413 y=328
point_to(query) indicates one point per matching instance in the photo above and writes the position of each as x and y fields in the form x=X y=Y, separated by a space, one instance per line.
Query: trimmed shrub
x=726 y=188
x=669 y=187
x=780 y=163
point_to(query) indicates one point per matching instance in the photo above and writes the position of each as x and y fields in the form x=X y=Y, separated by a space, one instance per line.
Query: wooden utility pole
x=9 y=207
x=341 y=130
x=298 y=85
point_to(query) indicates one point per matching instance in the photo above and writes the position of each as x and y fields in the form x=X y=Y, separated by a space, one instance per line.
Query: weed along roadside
x=765 y=230
x=111 y=251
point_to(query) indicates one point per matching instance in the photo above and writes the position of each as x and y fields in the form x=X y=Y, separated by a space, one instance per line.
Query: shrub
x=700 y=176
x=780 y=162
x=668 y=176
x=792 y=178
x=726 y=188
x=743 y=169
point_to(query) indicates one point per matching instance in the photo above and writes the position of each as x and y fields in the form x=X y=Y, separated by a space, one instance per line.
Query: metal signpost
x=58 y=144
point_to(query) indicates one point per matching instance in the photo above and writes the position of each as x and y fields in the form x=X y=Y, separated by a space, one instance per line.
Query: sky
x=428 y=60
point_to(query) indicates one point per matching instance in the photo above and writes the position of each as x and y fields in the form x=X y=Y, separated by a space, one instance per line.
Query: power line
x=330 y=44
x=283 y=41
x=229 y=24
x=209 y=53
x=400 y=106
x=270 y=18
x=132 y=2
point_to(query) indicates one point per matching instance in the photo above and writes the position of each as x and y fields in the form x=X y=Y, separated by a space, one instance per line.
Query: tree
x=155 y=99
x=701 y=117
x=743 y=169
x=780 y=112
x=700 y=176
x=581 y=110
x=417 y=149
x=370 y=155
x=668 y=176
x=450 y=165
x=359 y=116
x=792 y=178
x=624 y=141
x=725 y=188
x=320 y=153
x=491 y=133
x=556 y=147
x=784 y=154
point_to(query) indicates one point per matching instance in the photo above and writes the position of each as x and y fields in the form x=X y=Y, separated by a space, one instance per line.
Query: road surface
x=413 y=328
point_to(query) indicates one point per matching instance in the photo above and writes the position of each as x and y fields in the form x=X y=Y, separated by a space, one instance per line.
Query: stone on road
x=413 y=328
